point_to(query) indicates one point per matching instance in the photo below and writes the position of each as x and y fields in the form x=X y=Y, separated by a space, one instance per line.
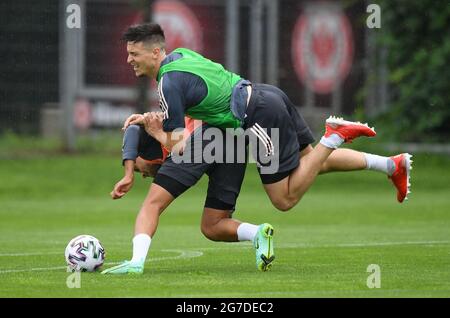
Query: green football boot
x=126 y=267
x=263 y=243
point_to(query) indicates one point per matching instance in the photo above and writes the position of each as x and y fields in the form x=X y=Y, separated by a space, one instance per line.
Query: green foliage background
x=417 y=37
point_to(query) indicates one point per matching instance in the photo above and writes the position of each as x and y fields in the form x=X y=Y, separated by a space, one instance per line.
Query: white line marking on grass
x=248 y=244
x=191 y=254
x=182 y=254
x=36 y=269
x=307 y=245
x=368 y=244
x=28 y=254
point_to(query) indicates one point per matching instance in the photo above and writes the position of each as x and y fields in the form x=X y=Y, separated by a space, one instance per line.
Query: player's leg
x=396 y=168
x=156 y=201
x=285 y=193
x=268 y=109
x=352 y=160
x=218 y=225
x=225 y=181
x=171 y=180
x=340 y=159
x=224 y=186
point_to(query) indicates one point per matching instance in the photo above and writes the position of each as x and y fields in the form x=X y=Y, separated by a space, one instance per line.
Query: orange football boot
x=400 y=177
x=347 y=130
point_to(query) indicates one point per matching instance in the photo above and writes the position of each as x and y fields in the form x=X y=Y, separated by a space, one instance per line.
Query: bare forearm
x=129 y=168
x=124 y=185
x=172 y=141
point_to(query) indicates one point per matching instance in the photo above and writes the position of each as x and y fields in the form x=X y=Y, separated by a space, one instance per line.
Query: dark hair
x=145 y=32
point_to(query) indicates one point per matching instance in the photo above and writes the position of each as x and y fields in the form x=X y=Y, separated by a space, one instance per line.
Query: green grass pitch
x=323 y=247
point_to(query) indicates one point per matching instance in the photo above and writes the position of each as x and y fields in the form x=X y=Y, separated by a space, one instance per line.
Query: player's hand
x=122 y=187
x=153 y=123
x=135 y=119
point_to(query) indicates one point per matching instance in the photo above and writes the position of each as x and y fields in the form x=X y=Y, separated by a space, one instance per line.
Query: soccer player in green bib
x=192 y=85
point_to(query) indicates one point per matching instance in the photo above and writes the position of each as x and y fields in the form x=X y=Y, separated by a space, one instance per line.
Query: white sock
x=247 y=231
x=379 y=163
x=141 y=244
x=333 y=141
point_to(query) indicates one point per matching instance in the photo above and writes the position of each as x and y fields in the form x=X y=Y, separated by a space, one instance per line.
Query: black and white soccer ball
x=84 y=253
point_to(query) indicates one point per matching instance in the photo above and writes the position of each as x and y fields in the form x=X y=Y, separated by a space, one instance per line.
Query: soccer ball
x=84 y=253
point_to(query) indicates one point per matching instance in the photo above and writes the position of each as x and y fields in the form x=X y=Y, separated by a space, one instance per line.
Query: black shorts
x=281 y=132
x=225 y=179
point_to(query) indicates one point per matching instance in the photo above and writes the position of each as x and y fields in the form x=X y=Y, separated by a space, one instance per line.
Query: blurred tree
x=417 y=37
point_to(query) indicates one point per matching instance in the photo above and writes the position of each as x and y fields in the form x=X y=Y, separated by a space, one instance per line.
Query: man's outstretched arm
x=126 y=183
x=129 y=155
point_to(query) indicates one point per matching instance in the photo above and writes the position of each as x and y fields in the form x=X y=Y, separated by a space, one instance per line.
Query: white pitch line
x=183 y=254
x=287 y=245
x=191 y=254
x=36 y=269
x=29 y=254
x=306 y=245
x=373 y=244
